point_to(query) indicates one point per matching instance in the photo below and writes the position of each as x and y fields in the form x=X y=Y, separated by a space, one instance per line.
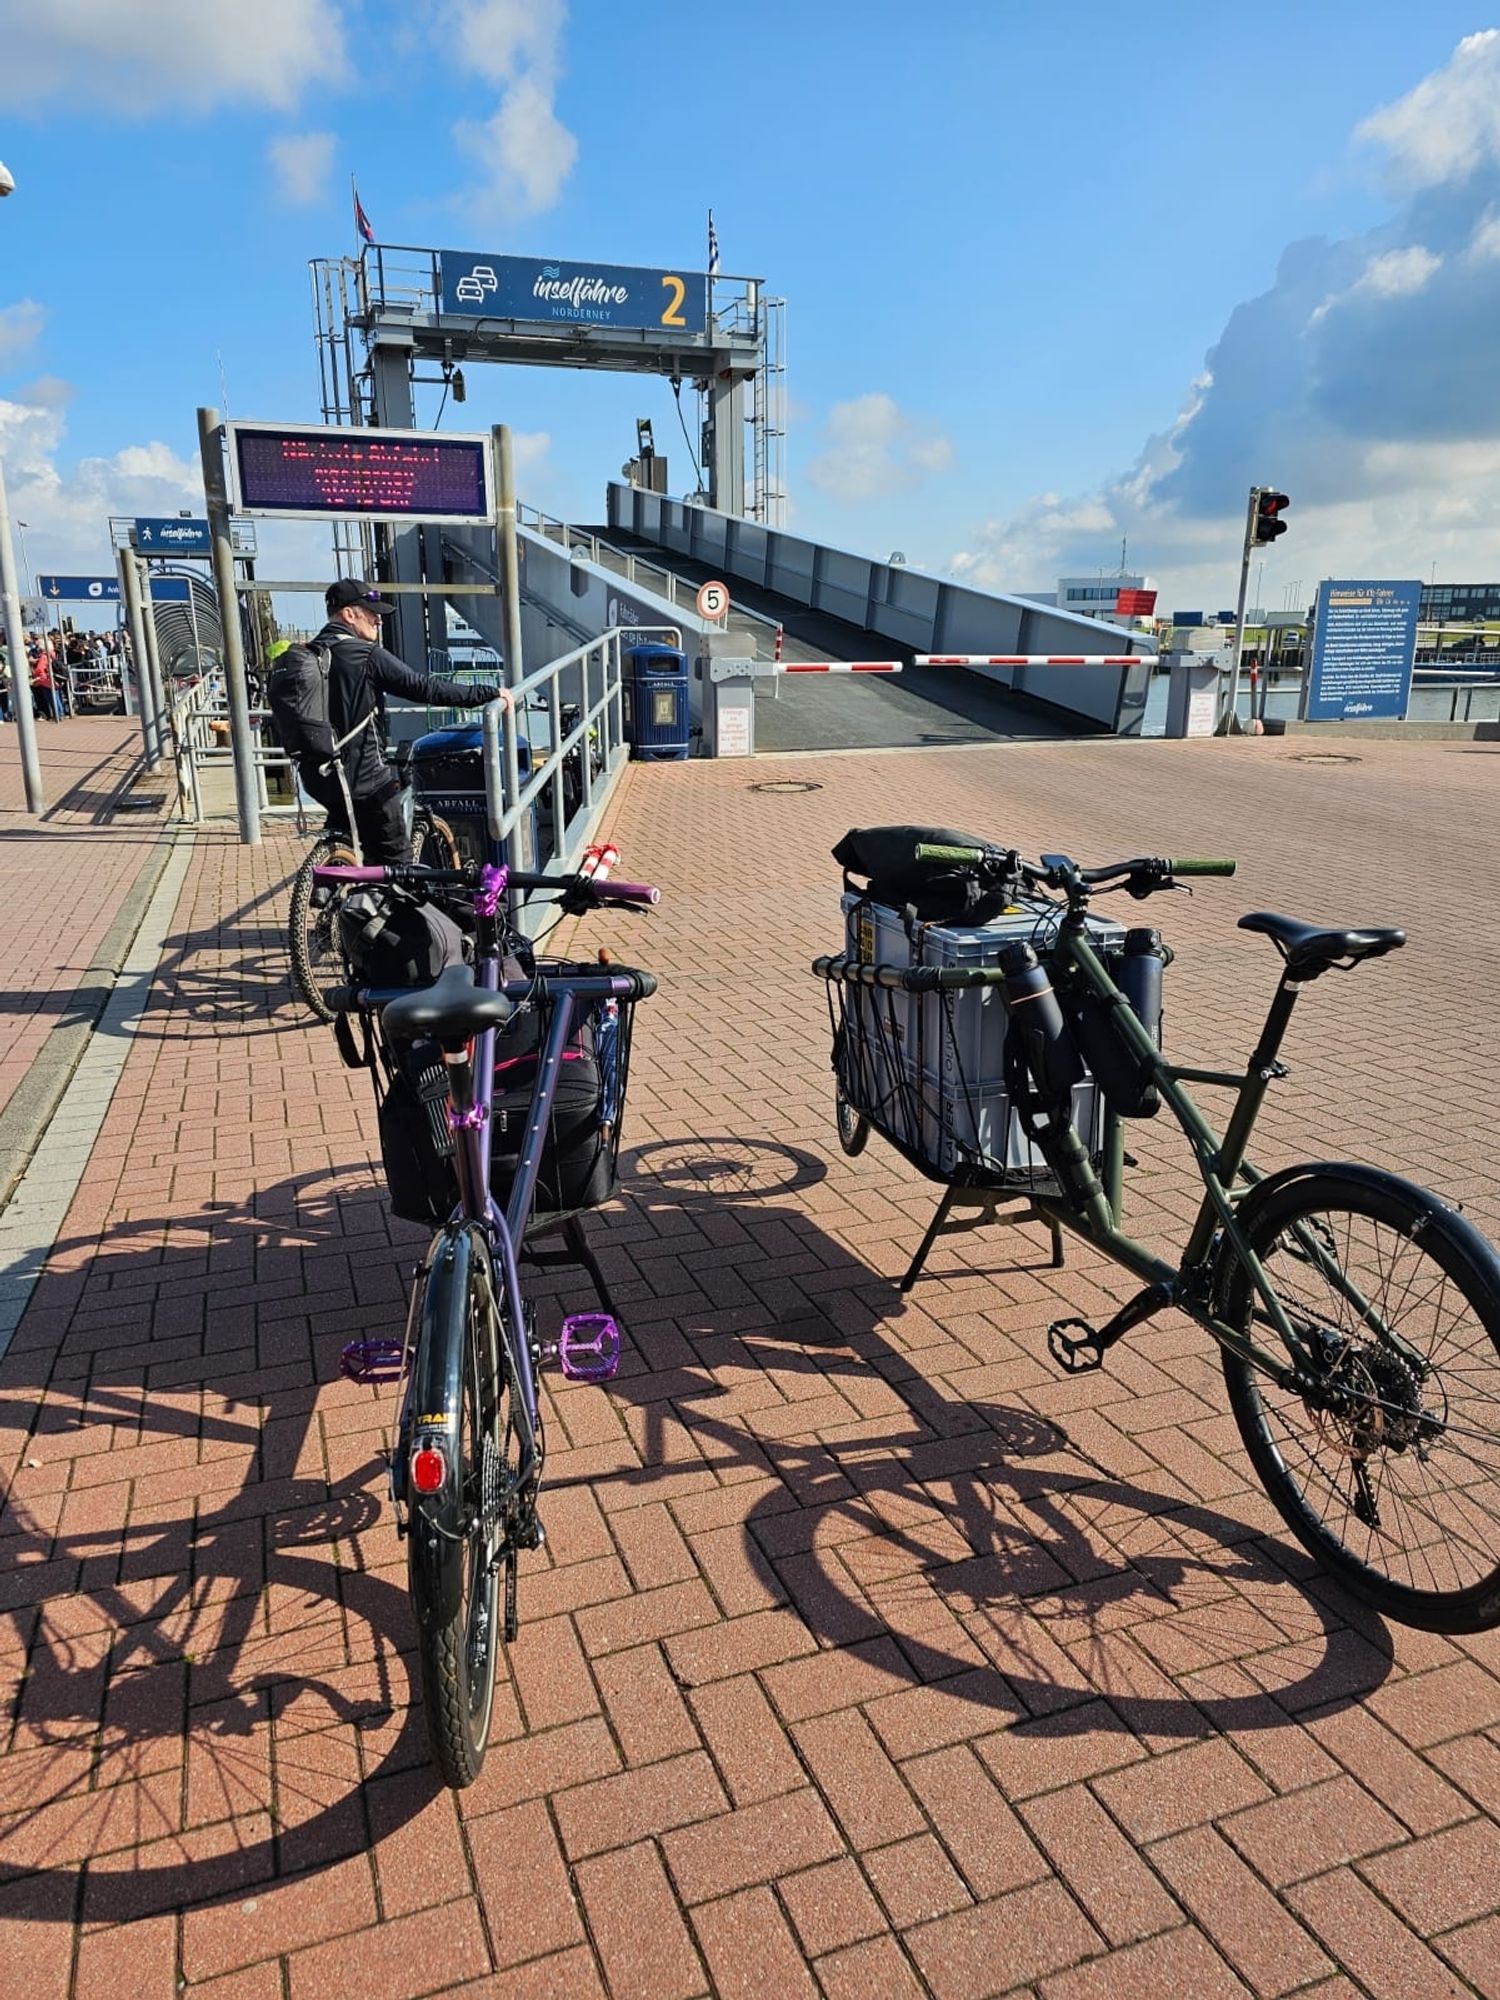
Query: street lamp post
x=21 y=527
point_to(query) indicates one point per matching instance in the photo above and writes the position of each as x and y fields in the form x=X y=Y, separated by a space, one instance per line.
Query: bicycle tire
x=853 y=1126
x=1420 y=1552
x=451 y=1572
x=304 y=921
x=433 y=842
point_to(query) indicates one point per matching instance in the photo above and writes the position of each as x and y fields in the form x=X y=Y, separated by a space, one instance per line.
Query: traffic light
x=1269 y=508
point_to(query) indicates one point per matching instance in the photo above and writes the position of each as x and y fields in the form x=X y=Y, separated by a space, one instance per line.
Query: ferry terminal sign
x=1364 y=643
x=557 y=293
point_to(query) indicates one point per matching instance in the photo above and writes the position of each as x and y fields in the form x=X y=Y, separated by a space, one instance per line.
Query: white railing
x=634 y=567
x=199 y=724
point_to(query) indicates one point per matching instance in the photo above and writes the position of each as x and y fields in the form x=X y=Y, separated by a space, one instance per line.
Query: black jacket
x=361 y=676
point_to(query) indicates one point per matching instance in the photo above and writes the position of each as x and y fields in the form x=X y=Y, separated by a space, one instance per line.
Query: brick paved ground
x=58 y=905
x=868 y=1657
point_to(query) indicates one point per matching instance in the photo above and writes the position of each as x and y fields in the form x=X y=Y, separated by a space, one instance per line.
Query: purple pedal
x=588 y=1348
x=372 y=1360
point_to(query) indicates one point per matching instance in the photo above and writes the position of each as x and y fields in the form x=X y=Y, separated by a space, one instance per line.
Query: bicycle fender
x=1376 y=1180
x=435 y=1552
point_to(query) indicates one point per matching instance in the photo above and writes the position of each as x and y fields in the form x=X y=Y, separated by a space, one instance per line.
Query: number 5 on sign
x=713 y=600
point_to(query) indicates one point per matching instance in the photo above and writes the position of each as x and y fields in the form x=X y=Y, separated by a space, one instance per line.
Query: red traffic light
x=1268 y=510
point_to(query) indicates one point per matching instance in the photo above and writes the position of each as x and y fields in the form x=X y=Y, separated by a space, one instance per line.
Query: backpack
x=298 y=695
x=935 y=891
x=391 y=938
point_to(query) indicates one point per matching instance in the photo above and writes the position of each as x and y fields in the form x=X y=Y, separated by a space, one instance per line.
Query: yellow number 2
x=673 y=314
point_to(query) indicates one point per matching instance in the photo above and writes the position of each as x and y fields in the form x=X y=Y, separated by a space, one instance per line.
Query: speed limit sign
x=713 y=600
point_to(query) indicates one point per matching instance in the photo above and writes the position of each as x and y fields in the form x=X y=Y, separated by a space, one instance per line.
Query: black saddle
x=1310 y=948
x=451 y=1009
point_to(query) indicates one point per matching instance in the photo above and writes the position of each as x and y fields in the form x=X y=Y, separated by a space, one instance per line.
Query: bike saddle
x=451 y=1009
x=1310 y=948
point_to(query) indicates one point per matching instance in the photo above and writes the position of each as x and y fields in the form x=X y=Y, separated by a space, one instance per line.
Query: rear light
x=429 y=1470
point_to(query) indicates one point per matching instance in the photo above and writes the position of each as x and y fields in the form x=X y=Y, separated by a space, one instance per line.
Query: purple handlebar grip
x=626 y=892
x=349 y=874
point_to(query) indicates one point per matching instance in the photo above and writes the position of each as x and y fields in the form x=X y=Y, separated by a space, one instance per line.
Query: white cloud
x=136 y=56
x=66 y=505
x=301 y=163
x=1484 y=244
x=1394 y=274
x=871 y=447
x=20 y=326
x=524 y=151
x=1450 y=124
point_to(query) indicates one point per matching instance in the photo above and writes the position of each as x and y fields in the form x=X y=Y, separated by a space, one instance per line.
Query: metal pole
x=145 y=694
x=210 y=442
x=509 y=554
x=153 y=653
x=1231 y=720
x=20 y=666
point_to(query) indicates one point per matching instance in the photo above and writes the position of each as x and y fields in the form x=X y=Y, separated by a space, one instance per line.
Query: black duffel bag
x=935 y=891
x=391 y=938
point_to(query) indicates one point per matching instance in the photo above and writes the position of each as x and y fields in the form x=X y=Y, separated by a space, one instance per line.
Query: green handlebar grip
x=1201 y=867
x=957 y=857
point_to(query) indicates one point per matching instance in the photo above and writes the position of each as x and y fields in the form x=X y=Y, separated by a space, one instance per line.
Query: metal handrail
x=506 y=798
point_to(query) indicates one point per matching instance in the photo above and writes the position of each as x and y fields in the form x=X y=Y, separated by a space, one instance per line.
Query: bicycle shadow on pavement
x=1008 y=1544
x=215 y=1691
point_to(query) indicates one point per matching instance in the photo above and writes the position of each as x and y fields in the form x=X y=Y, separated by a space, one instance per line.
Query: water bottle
x=1140 y=978
x=1033 y=1013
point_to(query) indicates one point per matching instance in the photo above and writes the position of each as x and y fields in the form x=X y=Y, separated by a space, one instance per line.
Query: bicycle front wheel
x=313 y=946
x=1386 y=1466
x=452 y=1569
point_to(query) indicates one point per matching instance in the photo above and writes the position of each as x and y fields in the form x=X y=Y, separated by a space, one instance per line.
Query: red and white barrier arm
x=839 y=667
x=1036 y=660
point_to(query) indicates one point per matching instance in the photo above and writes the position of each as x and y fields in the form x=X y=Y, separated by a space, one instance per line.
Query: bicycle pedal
x=373 y=1360
x=1075 y=1357
x=588 y=1348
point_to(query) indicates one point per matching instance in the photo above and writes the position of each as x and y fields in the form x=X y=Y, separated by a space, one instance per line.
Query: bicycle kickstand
x=1076 y=1354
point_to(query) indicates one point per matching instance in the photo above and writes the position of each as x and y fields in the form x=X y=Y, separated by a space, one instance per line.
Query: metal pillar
x=1231 y=720
x=153 y=654
x=726 y=466
x=395 y=406
x=508 y=554
x=211 y=445
x=145 y=691
x=20 y=667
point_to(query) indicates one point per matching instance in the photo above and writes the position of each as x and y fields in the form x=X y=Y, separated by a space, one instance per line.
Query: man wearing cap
x=362 y=673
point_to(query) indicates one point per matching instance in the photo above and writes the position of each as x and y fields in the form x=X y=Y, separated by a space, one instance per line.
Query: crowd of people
x=59 y=666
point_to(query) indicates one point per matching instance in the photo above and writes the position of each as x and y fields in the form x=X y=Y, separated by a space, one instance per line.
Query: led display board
x=291 y=471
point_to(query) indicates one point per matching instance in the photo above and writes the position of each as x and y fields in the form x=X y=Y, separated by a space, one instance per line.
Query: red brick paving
x=65 y=875
x=868 y=1657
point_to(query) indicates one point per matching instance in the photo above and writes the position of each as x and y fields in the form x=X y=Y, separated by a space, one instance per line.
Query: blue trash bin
x=447 y=774
x=657 y=715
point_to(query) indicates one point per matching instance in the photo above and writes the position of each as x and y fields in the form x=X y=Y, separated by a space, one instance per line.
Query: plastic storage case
x=928 y=1069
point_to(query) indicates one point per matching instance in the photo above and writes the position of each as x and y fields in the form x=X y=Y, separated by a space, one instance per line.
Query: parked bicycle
x=314 y=944
x=1358 y=1314
x=483 y=1063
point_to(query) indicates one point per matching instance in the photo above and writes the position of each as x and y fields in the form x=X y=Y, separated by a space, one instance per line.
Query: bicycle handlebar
x=1057 y=871
x=618 y=982
x=638 y=894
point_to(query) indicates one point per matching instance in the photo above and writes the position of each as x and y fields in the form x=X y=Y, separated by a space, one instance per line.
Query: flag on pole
x=713 y=247
x=361 y=220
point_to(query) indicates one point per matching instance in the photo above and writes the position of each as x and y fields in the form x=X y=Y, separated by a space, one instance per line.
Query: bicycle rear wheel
x=1388 y=1469
x=432 y=840
x=451 y=1566
x=313 y=946
x=853 y=1126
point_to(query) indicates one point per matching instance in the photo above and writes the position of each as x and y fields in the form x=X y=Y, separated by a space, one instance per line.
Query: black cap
x=349 y=590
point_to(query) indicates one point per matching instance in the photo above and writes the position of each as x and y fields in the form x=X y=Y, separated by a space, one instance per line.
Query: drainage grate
x=1327 y=757
x=787 y=785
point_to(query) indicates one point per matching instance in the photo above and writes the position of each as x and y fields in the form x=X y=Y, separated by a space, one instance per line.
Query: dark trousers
x=379 y=819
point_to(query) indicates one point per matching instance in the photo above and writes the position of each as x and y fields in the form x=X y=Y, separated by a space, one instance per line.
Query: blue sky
x=1009 y=237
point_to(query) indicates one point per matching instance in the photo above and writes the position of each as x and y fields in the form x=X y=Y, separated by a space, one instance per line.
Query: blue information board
x=171 y=536
x=1365 y=639
x=77 y=589
x=558 y=292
